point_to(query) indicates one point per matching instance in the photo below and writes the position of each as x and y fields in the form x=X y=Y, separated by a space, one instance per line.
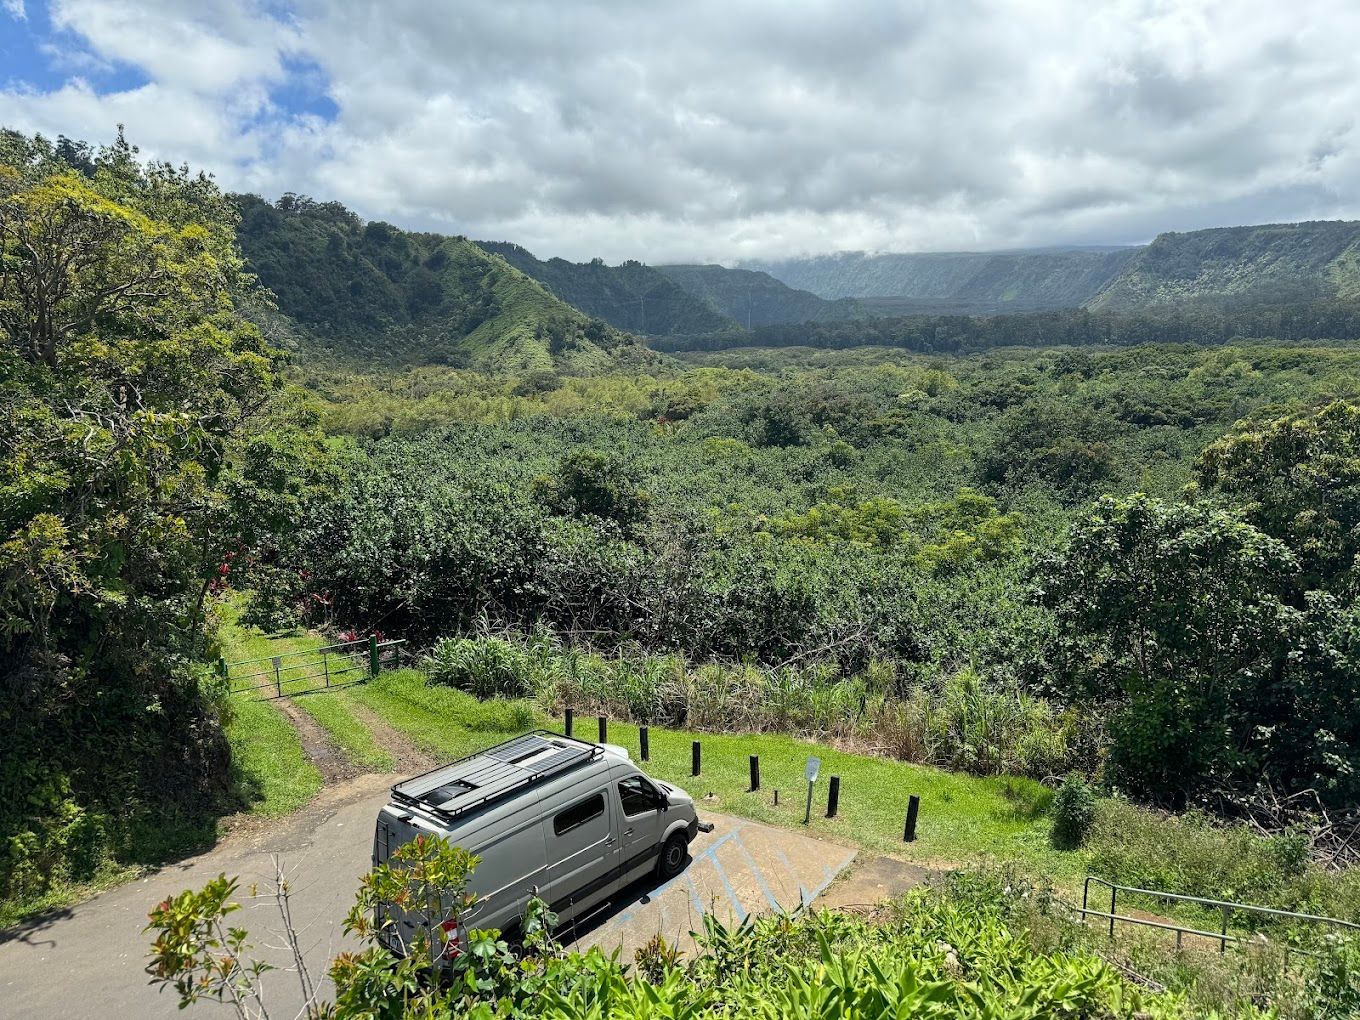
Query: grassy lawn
x=331 y=709
x=271 y=771
x=962 y=818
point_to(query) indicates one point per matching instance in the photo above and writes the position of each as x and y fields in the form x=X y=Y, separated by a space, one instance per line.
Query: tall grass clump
x=960 y=722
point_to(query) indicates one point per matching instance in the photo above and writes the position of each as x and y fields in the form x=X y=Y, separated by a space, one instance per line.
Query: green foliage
x=592 y=484
x=136 y=408
x=1297 y=478
x=1174 y=613
x=487 y=668
x=198 y=954
x=1074 y=810
x=1194 y=854
x=371 y=291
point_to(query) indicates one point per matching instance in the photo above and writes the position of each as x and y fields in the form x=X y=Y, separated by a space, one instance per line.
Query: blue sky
x=716 y=130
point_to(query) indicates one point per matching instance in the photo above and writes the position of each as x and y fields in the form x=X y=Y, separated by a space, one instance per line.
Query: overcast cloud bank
x=715 y=131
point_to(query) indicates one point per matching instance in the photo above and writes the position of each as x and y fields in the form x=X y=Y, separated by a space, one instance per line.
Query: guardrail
x=1226 y=907
x=333 y=665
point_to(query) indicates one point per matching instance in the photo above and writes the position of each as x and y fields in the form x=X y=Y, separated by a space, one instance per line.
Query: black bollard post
x=913 y=808
x=604 y=729
x=776 y=798
x=642 y=739
x=833 y=796
x=755 y=772
x=694 y=758
x=569 y=720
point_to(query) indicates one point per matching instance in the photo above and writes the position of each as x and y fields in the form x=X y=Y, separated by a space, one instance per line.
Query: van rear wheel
x=673 y=854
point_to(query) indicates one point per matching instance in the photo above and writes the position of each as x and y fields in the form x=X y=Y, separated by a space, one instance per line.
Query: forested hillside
x=629 y=296
x=753 y=299
x=1267 y=264
x=1272 y=262
x=962 y=282
x=372 y=292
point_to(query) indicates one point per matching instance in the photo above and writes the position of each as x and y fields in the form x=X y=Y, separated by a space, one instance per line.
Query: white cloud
x=15 y=9
x=712 y=130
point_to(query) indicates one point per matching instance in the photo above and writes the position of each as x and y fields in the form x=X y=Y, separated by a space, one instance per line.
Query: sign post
x=814 y=765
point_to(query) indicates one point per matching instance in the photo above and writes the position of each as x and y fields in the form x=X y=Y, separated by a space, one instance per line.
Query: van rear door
x=580 y=835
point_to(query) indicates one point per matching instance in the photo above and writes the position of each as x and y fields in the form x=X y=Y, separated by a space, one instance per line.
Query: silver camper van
x=573 y=820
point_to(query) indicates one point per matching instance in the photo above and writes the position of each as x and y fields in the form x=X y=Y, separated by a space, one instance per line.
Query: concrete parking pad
x=739 y=869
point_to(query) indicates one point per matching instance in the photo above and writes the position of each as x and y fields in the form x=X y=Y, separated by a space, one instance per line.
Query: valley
x=1070 y=557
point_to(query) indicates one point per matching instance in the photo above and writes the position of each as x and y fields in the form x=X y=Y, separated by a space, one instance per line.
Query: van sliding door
x=581 y=845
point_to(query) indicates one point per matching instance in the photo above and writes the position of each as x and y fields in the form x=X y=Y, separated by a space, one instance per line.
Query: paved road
x=87 y=961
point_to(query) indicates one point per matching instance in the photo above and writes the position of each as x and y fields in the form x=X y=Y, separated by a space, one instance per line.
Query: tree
x=128 y=383
x=1297 y=478
x=593 y=484
x=1174 y=615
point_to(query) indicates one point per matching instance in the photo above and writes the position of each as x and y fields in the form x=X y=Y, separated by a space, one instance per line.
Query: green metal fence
x=311 y=669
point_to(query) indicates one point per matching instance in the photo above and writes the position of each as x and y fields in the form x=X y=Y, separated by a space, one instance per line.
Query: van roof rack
x=494 y=774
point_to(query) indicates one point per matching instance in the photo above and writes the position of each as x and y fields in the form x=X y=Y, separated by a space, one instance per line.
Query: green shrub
x=487 y=667
x=1074 y=810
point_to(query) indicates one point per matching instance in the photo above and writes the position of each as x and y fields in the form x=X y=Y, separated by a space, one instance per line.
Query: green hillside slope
x=630 y=296
x=1274 y=262
x=981 y=282
x=754 y=299
x=372 y=292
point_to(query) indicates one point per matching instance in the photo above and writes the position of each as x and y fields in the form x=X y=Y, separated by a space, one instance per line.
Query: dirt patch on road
x=871 y=880
x=334 y=766
x=410 y=758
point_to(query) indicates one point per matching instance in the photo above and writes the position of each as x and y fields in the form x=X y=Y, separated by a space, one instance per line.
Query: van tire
x=674 y=854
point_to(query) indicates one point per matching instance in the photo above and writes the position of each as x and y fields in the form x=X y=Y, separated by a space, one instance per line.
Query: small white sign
x=814 y=766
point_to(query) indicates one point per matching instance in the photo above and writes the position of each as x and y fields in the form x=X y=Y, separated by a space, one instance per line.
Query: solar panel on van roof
x=496 y=773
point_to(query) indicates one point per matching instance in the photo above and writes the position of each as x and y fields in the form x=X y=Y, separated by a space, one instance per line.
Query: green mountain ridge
x=370 y=291
x=630 y=296
x=960 y=282
x=1267 y=263
x=1273 y=261
x=752 y=298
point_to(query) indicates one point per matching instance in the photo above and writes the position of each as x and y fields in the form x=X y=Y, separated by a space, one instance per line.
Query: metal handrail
x=1251 y=907
x=1225 y=906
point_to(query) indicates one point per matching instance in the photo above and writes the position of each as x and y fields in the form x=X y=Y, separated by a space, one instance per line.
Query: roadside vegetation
x=983 y=943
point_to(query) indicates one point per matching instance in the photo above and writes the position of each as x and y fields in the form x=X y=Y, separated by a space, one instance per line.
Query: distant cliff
x=981 y=282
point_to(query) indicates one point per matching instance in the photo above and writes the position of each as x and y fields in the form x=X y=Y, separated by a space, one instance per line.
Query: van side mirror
x=663 y=802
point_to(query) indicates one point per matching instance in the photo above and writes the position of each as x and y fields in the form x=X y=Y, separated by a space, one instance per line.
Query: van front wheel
x=673 y=854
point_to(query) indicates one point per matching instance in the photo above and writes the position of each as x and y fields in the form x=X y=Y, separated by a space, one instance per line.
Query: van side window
x=637 y=795
x=578 y=814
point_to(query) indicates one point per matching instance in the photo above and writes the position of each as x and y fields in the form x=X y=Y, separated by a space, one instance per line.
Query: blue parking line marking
x=760 y=877
x=731 y=893
x=664 y=886
x=804 y=897
x=694 y=894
